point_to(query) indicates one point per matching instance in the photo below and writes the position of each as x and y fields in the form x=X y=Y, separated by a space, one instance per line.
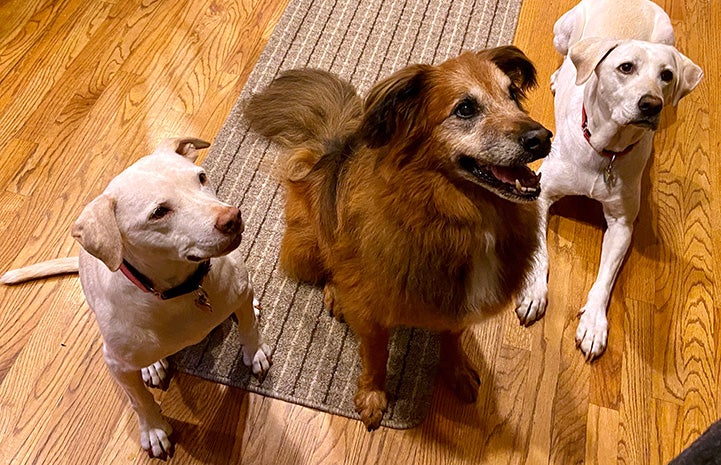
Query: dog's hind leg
x=157 y=375
x=300 y=254
x=330 y=302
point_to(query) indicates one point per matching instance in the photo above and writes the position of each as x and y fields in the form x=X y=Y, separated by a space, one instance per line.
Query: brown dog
x=411 y=207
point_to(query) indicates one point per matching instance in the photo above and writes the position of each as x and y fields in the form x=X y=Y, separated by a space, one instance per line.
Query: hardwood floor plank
x=636 y=407
x=603 y=434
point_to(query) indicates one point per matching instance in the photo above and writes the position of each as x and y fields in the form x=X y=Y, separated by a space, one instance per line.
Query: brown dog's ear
x=185 y=146
x=97 y=232
x=515 y=64
x=587 y=54
x=393 y=106
x=689 y=75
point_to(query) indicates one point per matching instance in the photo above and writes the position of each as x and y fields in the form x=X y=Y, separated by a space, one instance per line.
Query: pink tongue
x=509 y=174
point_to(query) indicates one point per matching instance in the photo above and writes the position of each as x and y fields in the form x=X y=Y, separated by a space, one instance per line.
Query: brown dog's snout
x=229 y=221
x=650 y=105
x=536 y=140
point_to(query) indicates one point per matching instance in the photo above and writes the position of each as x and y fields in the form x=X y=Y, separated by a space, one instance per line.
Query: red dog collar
x=143 y=282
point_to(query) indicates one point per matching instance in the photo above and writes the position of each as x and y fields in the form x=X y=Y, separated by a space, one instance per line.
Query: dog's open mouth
x=518 y=183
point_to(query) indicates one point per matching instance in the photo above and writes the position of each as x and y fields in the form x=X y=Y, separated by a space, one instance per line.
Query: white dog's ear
x=186 y=146
x=587 y=54
x=689 y=75
x=97 y=232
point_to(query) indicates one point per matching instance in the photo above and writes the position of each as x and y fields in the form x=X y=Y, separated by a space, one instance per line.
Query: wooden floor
x=87 y=87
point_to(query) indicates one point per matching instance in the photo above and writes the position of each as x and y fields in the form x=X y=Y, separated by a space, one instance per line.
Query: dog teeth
x=526 y=190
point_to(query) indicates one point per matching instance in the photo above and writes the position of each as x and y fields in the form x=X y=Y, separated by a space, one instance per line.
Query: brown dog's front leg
x=457 y=369
x=370 y=399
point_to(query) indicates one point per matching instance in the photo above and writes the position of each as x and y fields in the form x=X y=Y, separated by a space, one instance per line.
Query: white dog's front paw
x=592 y=332
x=155 y=440
x=256 y=307
x=157 y=375
x=259 y=360
x=531 y=303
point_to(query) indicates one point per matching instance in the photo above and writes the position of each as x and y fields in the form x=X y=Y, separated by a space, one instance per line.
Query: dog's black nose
x=229 y=221
x=537 y=141
x=650 y=105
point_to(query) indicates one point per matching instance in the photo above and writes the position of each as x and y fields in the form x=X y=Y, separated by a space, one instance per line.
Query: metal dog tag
x=609 y=177
x=202 y=301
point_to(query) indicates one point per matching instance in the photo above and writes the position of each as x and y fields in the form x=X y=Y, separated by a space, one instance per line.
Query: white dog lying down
x=160 y=268
x=620 y=69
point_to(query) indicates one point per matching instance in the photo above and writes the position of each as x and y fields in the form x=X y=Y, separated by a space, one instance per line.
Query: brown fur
x=380 y=211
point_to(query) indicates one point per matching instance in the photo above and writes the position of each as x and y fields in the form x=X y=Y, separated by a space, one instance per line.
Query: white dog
x=160 y=268
x=620 y=69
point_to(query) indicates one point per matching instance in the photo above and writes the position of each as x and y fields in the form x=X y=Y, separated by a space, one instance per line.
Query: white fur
x=139 y=330
x=596 y=37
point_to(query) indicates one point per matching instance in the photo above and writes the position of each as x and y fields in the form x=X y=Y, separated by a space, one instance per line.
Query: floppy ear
x=393 y=106
x=689 y=75
x=515 y=64
x=587 y=54
x=185 y=146
x=97 y=232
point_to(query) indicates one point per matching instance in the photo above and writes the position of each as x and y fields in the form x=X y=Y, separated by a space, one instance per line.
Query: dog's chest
x=140 y=328
x=482 y=287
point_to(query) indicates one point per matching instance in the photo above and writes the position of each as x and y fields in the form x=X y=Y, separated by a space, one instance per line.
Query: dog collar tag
x=202 y=301
x=609 y=177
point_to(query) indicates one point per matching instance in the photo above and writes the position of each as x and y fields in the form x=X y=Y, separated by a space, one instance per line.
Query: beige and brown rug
x=315 y=358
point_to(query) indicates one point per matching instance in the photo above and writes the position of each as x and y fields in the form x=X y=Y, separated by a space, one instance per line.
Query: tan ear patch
x=97 y=232
x=587 y=54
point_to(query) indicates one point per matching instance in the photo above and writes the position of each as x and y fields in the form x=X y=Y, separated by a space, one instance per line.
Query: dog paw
x=371 y=405
x=531 y=304
x=592 y=333
x=330 y=302
x=155 y=440
x=259 y=360
x=256 y=307
x=157 y=375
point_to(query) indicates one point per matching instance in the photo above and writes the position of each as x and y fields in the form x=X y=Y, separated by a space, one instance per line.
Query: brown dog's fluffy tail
x=304 y=110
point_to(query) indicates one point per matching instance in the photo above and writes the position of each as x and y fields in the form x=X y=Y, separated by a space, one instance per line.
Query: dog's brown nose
x=537 y=140
x=229 y=221
x=650 y=105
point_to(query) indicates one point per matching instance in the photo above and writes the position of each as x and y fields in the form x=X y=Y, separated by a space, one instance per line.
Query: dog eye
x=666 y=75
x=466 y=109
x=203 y=178
x=159 y=212
x=626 y=68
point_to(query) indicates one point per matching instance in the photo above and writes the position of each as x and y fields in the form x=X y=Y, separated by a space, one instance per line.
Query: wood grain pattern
x=88 y=87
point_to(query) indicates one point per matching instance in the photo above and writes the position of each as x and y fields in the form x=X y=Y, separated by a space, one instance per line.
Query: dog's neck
x=171 y=279
x=603 y=134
